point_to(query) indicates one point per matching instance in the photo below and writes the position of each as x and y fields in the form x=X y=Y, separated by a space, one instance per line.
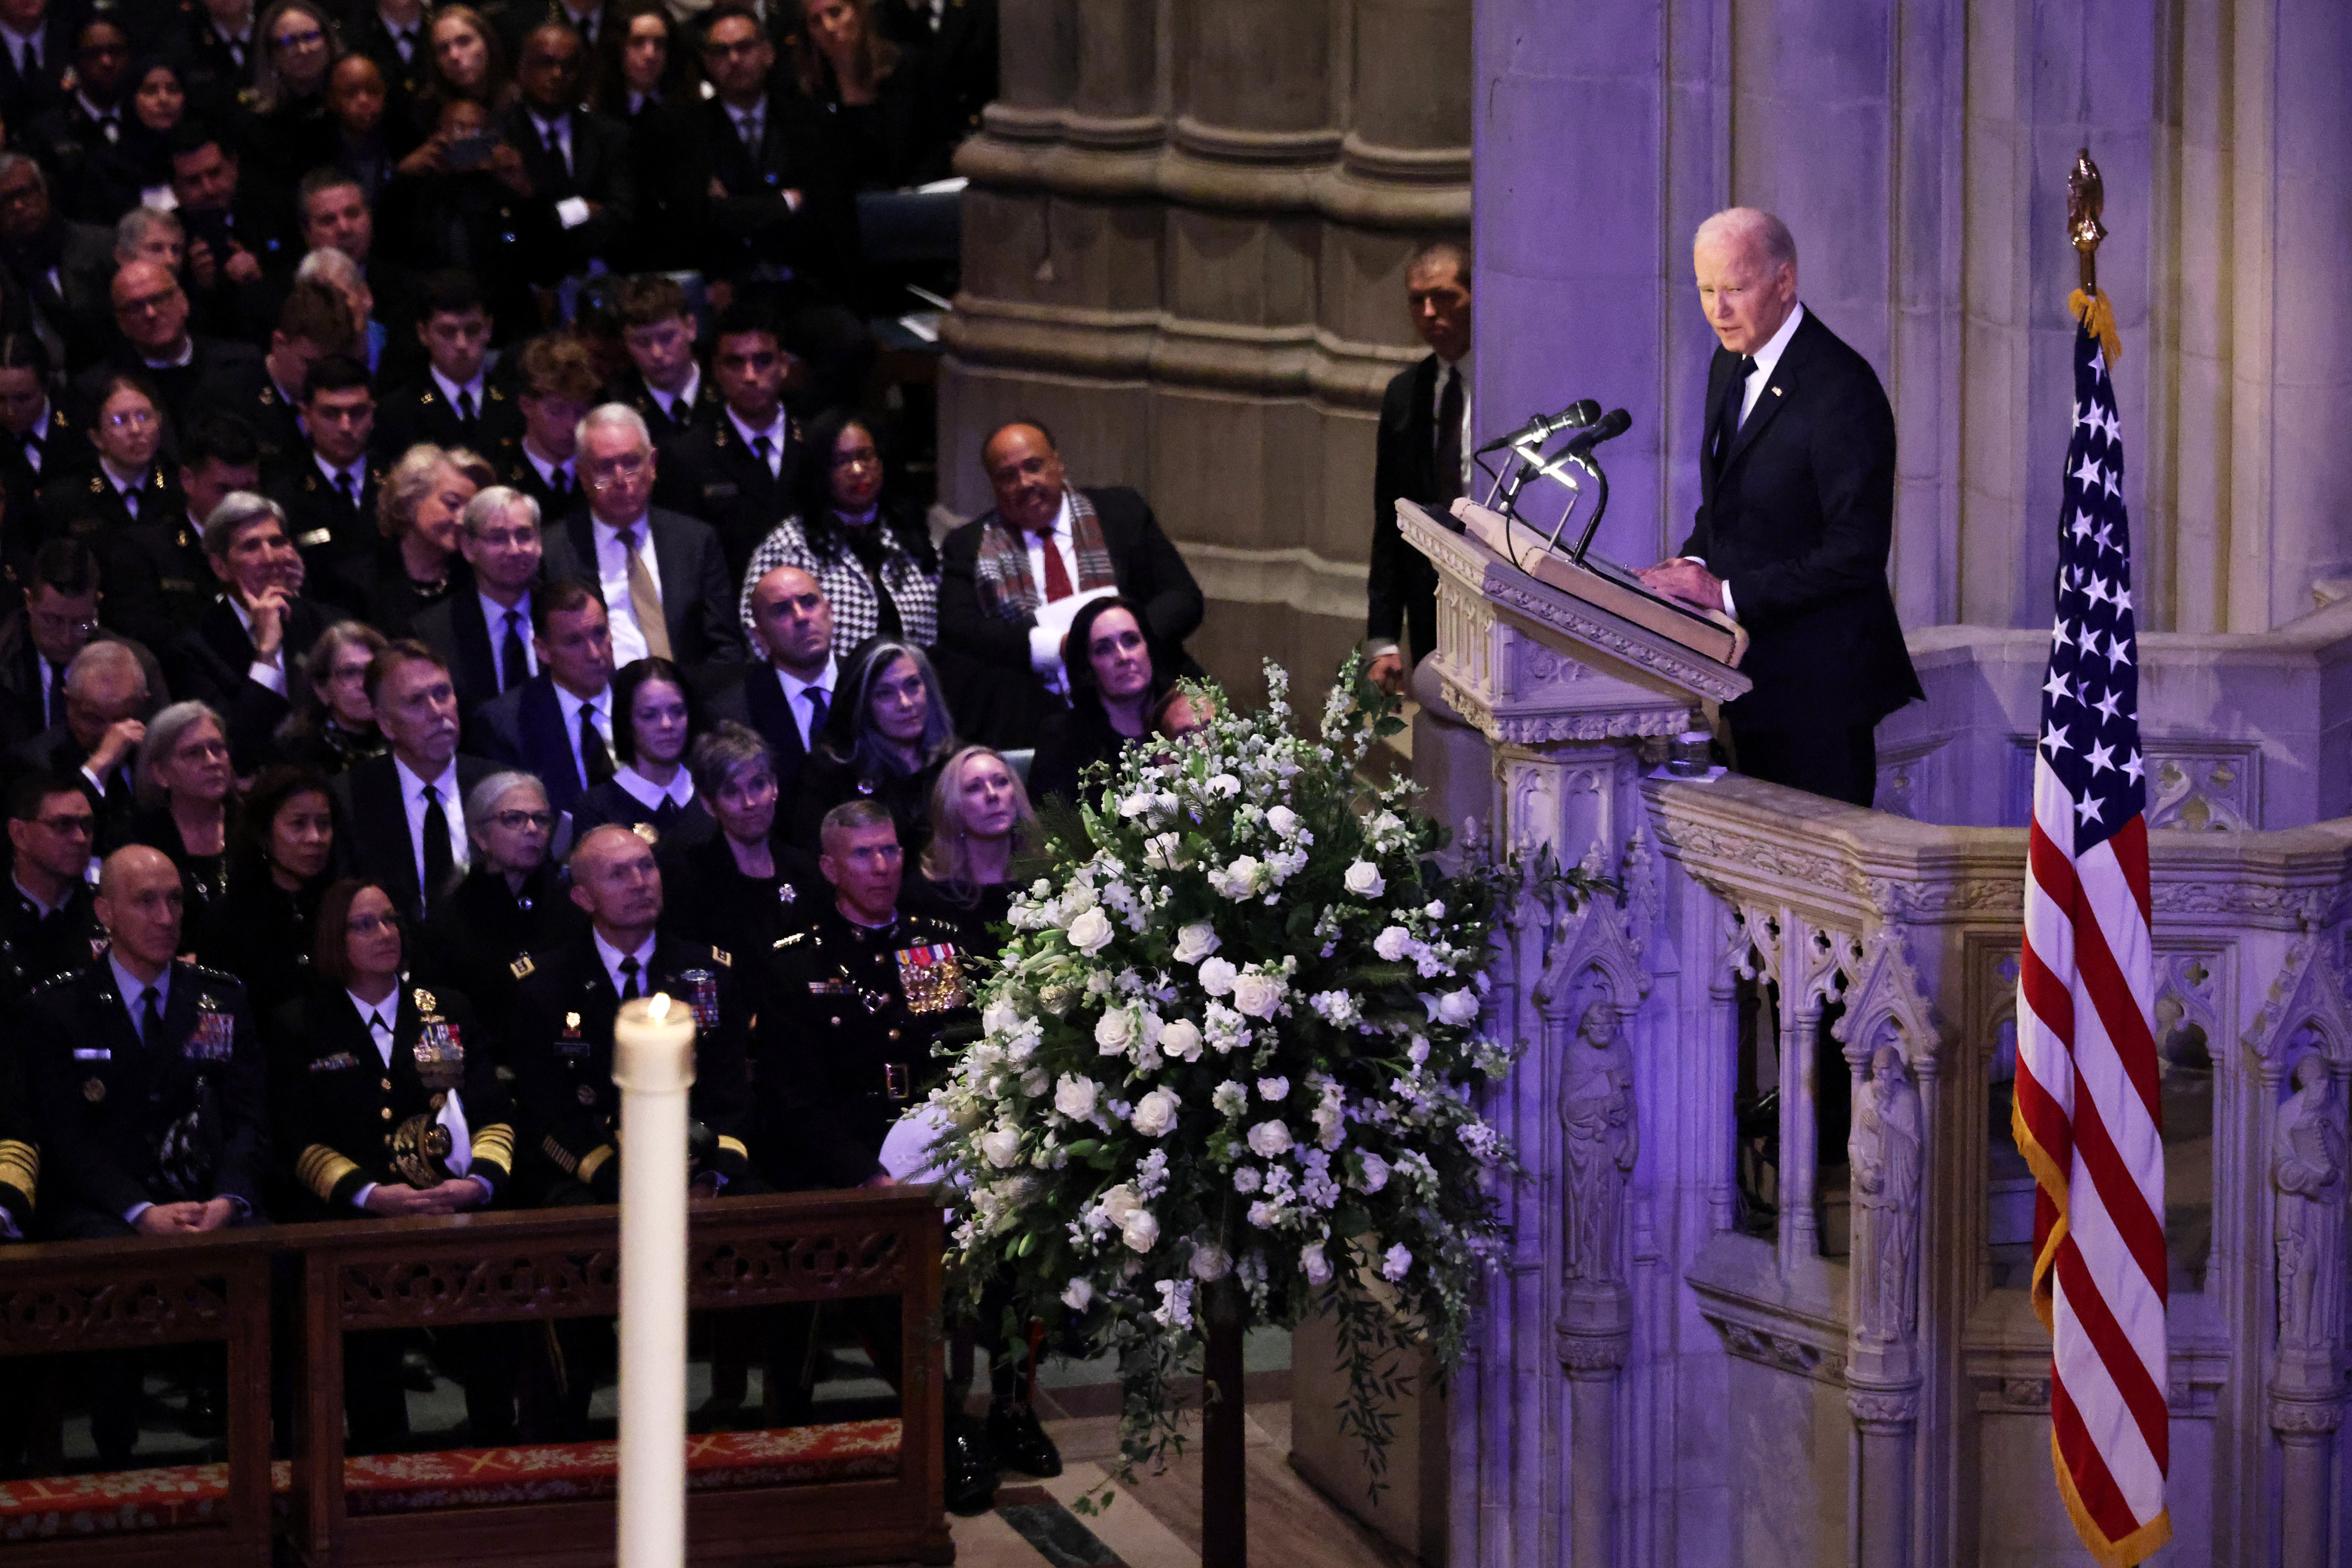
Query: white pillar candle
x=653 y=1064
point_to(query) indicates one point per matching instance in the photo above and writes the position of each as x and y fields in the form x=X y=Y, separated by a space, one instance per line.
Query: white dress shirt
x=269 y=672
x=775 y=437
x=494 y=616
x=453 y=806
x=612 y=577
x=1768 y=359
x=1053 y=618
x=600 y=713
x=17 y=43
x=355 y=470
x=36 y=440
x=548 y=468
x=796 y=692
x=452 y=1114
x=678 y=792
x=611 y=956
x=671 y=402
x=450 y=389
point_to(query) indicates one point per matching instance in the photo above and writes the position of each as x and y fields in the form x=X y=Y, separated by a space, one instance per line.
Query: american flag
x=2086 y=1113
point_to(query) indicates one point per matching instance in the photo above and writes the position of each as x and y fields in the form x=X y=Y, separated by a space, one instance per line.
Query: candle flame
x=660 y=1008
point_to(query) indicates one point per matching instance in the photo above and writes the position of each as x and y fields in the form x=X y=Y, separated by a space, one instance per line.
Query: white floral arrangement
x=1235 y=1045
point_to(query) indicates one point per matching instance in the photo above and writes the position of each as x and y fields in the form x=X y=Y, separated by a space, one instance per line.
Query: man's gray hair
x=853 y=816
x=613 y=415
x=331 y=267
x=239 y=509
x=11 y=162
x=136 y=225
x=490 y=505
x=1753 y=227
x=103 y=660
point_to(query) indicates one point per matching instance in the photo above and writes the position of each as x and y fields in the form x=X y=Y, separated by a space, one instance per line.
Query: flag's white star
x=2119 y=651
x=2132 y=768
x=2106 y=537
x=2099 y=362
x=2101 y=759
x=2087 y=809
x=2106 y=704
x=2087 y=414
x=2081 y=529
x=2059 y=635
x=2057 y=688
x=2097 y=590
x=2107 y=478
x=2088 y=474
x=2123 y=598
x=2057 y=740
x=2115 y=430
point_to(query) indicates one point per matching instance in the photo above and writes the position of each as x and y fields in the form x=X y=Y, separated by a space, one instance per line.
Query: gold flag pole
x=2086 y=198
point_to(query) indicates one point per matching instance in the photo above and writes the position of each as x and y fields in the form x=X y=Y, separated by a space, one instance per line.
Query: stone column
x=2307 y=1171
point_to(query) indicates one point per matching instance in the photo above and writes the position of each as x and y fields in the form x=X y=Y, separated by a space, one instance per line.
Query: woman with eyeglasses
x=420 y=515
x=80 y=502
x=187 y=804
x=981 y=821
x=392 y=1107
x=333 y=729
x=512 y=901
x=295 y=49
x=279 y=862
x=653 y=722
x=1115 y=682
x=744 y=884
x=869 y=551
x=886 y=738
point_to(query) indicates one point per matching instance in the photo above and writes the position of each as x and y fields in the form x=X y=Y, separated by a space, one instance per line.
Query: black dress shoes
x=971 y=1479
x=1017 y=1440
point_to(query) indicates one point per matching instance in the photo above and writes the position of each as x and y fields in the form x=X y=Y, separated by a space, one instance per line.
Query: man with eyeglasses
x=663 y=574
x=47 y=922
x=403 y=814
x=330 y=494
x=484 y=636
x=577 y=160
x=38 y=642
x=62 y=267
x=664 y=383
x=737 y=472
x=191 y=374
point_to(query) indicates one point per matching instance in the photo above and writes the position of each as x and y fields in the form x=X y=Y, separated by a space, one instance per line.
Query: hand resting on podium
x=1687 y=577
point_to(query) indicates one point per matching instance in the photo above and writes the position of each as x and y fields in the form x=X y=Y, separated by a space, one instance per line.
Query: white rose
x=1274 y=1088
x=1195 y=943
x=1135 y=805
x=1458 y=1007
x=1155 y=1113
x=1364 y=880
x=1002 y=1146
x=1224 y=785
x=1140 y=1231
x=1119 y=1203
x=1393 y=943
x=1374 y=1175
x=1091 y=931
x=1079 y=1296
x=1318 y=1266
x=1074 y=1095
x=1181 y=1039
x=1115 y=1031
x=1217 y=976
x=1283 y=820
x=1000 y=1017
x=1210 y=1262
x=1035 y=1084
x=1268 y=1139
x=1258 y=995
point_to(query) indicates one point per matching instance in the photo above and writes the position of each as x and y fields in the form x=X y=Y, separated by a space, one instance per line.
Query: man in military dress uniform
x=49 y=923
x=560 y=1038
x=147 y=1087
x=855 y=1007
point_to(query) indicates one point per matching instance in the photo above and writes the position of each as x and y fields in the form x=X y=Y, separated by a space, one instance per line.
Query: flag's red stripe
x=2093 y=1481
x=2130 y=847
x=2047 y=996
x=2042 y=1117
x=2130 y=1374
x=2119 y=1010
x=2119 y=1190
x=2052 y=868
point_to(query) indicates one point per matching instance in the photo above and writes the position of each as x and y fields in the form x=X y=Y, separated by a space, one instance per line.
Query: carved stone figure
x=2307 y=1157
x=1596 y=1104
x=1886 y=1158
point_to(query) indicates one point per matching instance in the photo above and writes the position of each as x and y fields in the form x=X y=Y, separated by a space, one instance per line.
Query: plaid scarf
x=1001 y=572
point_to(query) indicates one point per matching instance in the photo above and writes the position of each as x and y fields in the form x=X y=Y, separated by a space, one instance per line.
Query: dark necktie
x=1446 y=482
x=513 y=668
x=559 y=484
x=150 y=1018
x=630 y=989
x=595 y=760
x=440 y=860
x=465 y=408
x=344 y=487
x=816 y=701
x=1726 y=413
x=665 y=813
x=767 y=450
x=553 y=137
x=130 y=501
x=1057 y=576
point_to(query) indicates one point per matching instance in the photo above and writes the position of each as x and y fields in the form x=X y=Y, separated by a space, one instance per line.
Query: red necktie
x=1057 y=576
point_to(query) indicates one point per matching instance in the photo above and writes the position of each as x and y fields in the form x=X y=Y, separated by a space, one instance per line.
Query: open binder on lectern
x=1604 y=585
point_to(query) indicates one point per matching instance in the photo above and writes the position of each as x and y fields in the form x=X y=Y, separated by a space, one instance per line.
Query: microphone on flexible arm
x=1542 y=428
x=1608 y=427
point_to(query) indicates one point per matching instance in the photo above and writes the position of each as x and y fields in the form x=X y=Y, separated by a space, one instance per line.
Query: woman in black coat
x=886 y=736
x=1115 y=678
x=981 y=824
x=653 y=718
x=334 y=729
x=745 y=884
x=277 y=866
x=513 y=899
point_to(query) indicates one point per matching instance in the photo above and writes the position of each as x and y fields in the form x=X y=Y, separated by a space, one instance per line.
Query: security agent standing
x=854 y=1009
x=560 y=1039
x=147 y=1083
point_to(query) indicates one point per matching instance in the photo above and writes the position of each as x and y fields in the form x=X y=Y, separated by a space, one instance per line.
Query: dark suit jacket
x=522 y=474
x=1402 y=586
x=214 y=661
x=709 y=471
x=105 y=1117
x=554 y=1061
x=753 y=223
x=524 y=728
x=371 y=826
x=998 y=701
x=418 y=412
x=73 y=311
x=759 y=701
x=630 y=388
x=327 y=530
x=55 y=754
x=600 y=173
x=220 y=375
x=23 y=98
x=454 y=629
x=698 y=598
x=1798 y=517
x=159 y=581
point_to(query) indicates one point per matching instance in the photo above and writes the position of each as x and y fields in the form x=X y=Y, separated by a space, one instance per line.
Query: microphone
x=1608 y=427
x=1544 y=426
